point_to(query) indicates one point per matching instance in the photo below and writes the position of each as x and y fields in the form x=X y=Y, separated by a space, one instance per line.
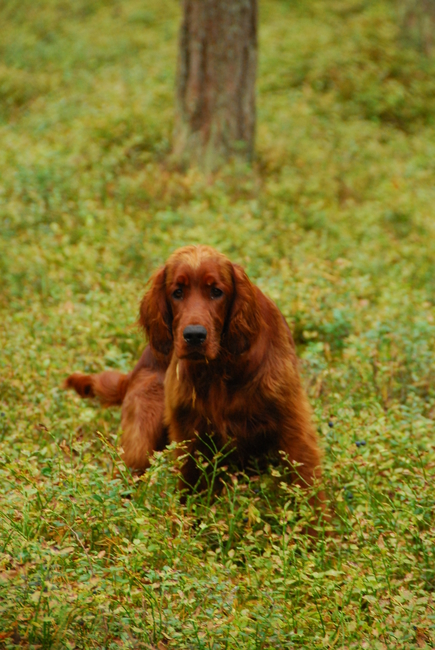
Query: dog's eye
x=178 y=294
x=216 y=293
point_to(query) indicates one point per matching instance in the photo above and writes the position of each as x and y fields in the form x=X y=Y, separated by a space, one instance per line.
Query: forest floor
x=334 y=221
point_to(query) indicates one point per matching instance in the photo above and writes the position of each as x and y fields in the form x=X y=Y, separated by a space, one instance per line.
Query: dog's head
x=198 y=304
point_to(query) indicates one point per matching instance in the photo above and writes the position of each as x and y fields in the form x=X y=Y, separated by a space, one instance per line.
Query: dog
x=220 y=371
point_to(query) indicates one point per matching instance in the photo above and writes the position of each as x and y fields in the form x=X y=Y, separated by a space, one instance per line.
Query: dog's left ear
x=243 y=320
x=155 y=314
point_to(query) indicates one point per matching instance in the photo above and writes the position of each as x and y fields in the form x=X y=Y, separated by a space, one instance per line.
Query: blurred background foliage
x=334 y=221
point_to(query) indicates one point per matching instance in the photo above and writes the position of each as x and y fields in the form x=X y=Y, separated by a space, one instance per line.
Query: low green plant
x=334 y=222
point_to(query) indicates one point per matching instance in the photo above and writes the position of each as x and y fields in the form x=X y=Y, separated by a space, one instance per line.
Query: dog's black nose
x=194 y=334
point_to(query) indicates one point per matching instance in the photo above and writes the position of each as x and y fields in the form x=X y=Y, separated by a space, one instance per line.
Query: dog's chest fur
x=216 y=404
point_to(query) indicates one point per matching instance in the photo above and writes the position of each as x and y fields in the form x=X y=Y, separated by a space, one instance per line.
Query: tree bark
x=215 y=100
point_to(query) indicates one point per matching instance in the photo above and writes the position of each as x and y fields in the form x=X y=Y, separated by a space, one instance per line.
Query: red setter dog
x=220 y=371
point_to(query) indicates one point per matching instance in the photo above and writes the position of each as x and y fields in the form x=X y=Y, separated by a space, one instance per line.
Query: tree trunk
x=215 y=104
x=418 y=23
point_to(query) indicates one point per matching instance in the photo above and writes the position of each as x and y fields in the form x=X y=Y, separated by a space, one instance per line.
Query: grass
x=334 y=222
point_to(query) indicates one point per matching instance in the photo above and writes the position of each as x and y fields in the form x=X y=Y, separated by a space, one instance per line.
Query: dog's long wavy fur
x=243 y=387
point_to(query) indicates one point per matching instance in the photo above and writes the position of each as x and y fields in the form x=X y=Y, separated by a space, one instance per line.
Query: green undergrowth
x=334 y=222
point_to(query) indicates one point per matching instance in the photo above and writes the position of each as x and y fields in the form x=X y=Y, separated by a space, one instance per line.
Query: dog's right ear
x=155 y=314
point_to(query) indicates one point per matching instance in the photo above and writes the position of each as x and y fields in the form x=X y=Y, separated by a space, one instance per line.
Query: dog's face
x=199 y=292
x=197 y=304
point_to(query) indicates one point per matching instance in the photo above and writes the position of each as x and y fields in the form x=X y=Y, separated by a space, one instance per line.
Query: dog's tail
x=109 y=386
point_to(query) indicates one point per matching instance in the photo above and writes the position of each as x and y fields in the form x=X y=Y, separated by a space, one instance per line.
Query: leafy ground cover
x=334 y=222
